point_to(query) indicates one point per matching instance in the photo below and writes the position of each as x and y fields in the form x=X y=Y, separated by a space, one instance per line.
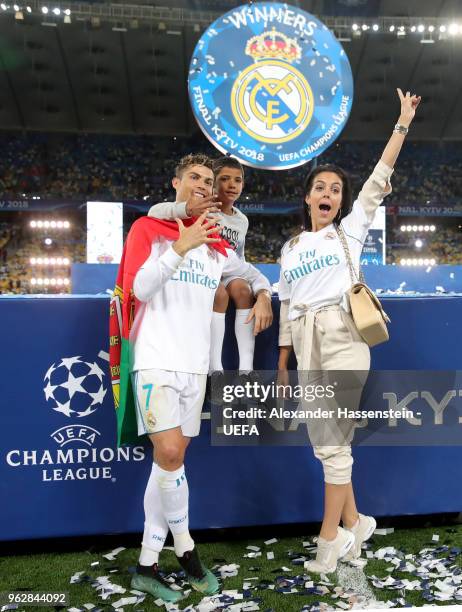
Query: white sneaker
x=330 y=551
x=362 y=531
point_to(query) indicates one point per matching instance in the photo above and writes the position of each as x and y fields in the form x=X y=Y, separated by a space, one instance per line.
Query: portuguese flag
x=123 y=309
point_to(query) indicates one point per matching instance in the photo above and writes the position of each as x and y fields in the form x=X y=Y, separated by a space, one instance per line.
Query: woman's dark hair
x=345 y=206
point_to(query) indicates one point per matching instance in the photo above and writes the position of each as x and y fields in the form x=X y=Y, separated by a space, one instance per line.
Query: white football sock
x=216 y=341
x=174 y=493
x=155 y=525
x=245 y=339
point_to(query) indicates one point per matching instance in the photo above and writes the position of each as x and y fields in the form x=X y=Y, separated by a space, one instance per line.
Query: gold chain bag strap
x=367 y=312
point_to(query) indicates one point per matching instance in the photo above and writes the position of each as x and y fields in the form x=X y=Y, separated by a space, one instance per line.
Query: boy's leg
x=220 y=306
x=241 y=294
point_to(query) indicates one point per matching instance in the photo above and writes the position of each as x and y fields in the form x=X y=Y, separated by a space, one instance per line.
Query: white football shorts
x=165 y=400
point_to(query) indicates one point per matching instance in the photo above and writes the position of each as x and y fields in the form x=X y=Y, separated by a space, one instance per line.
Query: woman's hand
x=409 y=106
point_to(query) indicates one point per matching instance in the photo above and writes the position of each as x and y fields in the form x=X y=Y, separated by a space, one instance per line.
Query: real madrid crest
x=271 y=85
x=271 y=100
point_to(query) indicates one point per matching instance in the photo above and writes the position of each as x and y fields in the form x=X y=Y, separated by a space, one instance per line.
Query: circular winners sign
x=270 y=85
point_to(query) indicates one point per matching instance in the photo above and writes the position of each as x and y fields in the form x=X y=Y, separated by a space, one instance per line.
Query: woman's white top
x=314 y=269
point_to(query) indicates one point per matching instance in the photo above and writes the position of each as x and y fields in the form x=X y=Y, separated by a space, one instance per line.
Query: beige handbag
x=367 y=312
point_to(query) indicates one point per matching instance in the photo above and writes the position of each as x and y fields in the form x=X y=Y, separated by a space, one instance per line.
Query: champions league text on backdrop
x=271 y=85
x=74 y=389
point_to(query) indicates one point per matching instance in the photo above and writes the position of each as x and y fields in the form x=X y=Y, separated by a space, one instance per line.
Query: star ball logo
x=270 y=85
x=75 y=387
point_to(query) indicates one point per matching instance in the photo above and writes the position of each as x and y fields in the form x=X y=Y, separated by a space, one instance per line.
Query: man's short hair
x=227 y=162
x=193 y=159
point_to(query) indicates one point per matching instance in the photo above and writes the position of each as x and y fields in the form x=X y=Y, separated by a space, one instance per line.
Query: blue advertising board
x=61 y=473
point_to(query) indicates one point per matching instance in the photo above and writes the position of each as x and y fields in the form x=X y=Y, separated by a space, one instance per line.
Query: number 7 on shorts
x=148 y=395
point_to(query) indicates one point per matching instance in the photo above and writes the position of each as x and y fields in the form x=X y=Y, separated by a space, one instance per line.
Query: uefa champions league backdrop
x=271 y=85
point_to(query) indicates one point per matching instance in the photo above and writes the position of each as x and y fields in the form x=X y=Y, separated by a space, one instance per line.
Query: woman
x=315 y=321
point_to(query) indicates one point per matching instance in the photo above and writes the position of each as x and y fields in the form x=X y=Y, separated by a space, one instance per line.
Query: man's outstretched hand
x=196 y=234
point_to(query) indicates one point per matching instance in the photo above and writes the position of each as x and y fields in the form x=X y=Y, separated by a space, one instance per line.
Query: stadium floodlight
x=15 y=8
x=401 y=31
x=413 y=28
x=53 y=281
x=66 y=261
x=408 y=228
x=52 y=261
x=39 y=261
x=432 y=228
x=364 y=27
x=443 y=28
x=45 y=10
x=355 y=27
x=432 y=262
x=46 y=224
x=421 y=28
x=48 y=241
x=420 y=228
x=392 y=28
x=375 y=27
x=67 y=12
x=32 y=261
x=421 y=261
x=3 y=6
x=426 y=228
x=431 y=28
x=40 y=224
x=414 y=228
x=33 y=281
x=66 y=224
x=40 y=281
x=53 y=224
x=46 y=281
x=66 y=281
x=57 y=11
x=59 y=281
x=418 y=243
x=59 y=224
x=28 y=9
x=33 y=224
x=59 y=261
x=453 y=29
x=403 y=228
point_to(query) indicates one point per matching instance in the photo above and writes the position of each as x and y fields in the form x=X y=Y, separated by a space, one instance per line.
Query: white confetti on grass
x=272 y=541
x=113 y=554
x=354 y=579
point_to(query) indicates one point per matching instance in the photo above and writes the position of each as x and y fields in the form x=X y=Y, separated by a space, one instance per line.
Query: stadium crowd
x=19 y=243
x=443 y=245
x=105 y=167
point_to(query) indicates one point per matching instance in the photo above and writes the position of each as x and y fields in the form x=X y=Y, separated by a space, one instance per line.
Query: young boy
x=229 y=182
x=173 y=272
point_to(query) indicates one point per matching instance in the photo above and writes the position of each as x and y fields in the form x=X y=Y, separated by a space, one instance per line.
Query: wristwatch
x=401 y=129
